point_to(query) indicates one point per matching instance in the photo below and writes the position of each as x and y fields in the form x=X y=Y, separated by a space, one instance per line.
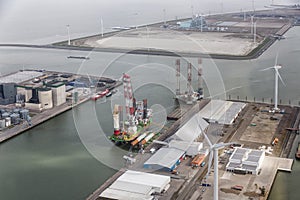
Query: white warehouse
x=136 y=185
x=246 y=160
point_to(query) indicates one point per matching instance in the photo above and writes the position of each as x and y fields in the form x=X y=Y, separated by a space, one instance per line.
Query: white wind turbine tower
x=215 y=148
x=69 y=38
x=276 y=68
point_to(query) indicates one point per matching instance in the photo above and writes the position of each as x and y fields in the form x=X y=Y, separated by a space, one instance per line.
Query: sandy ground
x=175 y=41
x=263 y=127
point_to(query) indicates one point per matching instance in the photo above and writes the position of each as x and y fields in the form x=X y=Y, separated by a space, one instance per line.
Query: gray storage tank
x=2 y=123
x=6 y=114
x=24 y=113
x=15 y=118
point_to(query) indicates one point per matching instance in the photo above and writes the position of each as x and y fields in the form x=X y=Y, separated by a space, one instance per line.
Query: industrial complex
x=32 y=96
x=183 y=157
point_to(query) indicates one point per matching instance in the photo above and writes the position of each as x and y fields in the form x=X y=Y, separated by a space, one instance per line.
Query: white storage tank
x=7 y=121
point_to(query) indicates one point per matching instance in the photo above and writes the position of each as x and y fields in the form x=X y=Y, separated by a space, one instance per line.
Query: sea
x=69 y=156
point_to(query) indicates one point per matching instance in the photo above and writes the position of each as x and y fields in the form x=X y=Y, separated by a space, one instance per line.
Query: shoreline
x=267 y=42
x=255 y=53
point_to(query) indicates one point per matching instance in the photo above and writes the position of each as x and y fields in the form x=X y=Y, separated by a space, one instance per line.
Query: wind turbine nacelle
x=277 y=66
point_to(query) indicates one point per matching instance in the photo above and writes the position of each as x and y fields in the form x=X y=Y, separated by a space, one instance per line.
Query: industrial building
x=165 y=159
x=246 y=161
x=190 y=149
x=7 y=93
x=222 y=112
x=58 y=92
x=198 y=22
x=191 y=130
x=180 y=144
x=136 y=185
x=45 y=98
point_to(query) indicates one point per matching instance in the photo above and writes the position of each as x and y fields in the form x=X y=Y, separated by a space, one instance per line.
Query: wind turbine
x=215 y=148
x=276 y=68
x=69 y=39
x=101 y=20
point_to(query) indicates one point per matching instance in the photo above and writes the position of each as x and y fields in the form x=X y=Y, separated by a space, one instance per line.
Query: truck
x=198 y=159
x=275 y=141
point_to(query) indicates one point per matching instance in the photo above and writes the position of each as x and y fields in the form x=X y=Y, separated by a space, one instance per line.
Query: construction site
x=251 y=33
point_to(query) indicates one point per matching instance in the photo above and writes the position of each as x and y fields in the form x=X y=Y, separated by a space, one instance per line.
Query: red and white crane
x=129 y=104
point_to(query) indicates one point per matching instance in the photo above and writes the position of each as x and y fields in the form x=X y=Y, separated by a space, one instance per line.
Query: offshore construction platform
x=138 y=117
x=189 y=96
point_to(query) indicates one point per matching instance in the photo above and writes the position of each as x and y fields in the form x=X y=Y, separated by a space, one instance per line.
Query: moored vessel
x=138 y=117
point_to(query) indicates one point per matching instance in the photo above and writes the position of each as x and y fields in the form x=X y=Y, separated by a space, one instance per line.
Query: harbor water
x=51 y=161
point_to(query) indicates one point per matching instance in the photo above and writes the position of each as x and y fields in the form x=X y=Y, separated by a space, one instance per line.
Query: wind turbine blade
x=222 y=145
x=89 y=78
x=276 y=59
x=266 y=69
x=211 y=154
x=228 y=144
x=205 y=136
x=280 y=77
x=207 y=139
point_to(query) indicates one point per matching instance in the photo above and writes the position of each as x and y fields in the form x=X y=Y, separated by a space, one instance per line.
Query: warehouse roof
x=110 y=193
x=131 y=187
x=253 y=158
x=233 y=165
x=191 y=130
x=240 y=150
x=153 y=180
x=223 y=112
x=165 y=157
x=255 y=153
x=183 y=145
x=136 y=185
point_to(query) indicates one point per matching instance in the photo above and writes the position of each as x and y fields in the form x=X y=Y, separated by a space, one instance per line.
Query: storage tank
x=2 y=123
x=15 y=118
x=7 y=121
x=17 y=110
x=24 y=113
x=4 y=115
x=45 y=98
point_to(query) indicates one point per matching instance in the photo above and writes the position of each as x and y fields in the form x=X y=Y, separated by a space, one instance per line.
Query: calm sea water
x=50 y=161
